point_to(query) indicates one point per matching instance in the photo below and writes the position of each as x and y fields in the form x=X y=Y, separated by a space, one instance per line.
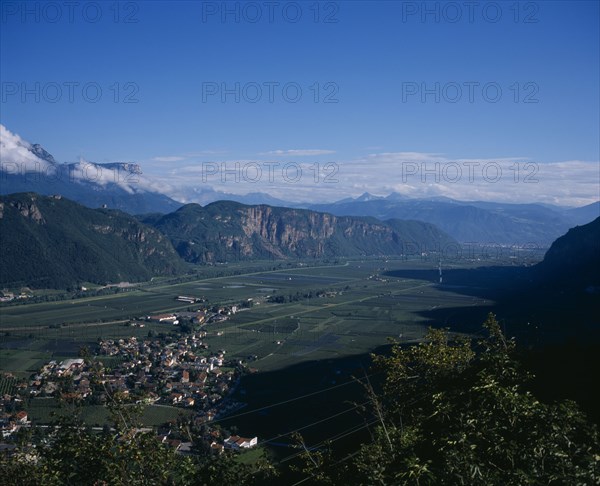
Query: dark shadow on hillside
x=329 y=392
x=557 y=325
x=485 y=282
x=317 y=398
x=495 y=285
x=328 y=388
x=533 y=309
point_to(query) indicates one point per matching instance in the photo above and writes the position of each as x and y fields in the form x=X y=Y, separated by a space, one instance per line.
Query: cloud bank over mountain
x=311 y=175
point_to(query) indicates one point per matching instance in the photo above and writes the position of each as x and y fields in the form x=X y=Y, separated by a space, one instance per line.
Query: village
x=174 y=370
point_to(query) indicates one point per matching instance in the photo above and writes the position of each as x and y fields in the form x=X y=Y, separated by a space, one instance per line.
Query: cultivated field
x=361 y=308
x=329 y=319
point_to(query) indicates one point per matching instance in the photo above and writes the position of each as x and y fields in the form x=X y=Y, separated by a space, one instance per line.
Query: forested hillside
x=55 y=243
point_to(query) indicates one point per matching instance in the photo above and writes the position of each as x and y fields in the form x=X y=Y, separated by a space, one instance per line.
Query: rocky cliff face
x=55 y=242
x=228 y=231
x=27 y=209
x=285 y=230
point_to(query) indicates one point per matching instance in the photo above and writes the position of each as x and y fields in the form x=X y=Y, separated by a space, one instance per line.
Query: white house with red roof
x=237 y=442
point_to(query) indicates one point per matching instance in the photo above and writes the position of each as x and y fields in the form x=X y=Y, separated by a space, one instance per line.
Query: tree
x=72 y=454
x=458 y=412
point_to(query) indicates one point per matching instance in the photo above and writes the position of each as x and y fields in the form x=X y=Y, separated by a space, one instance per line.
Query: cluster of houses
x=236 y=442
x=181 y=373
x=49 y=379
x=177 y=371
x=233 y=442
x=6 y=296
x=12 y=422
x=377 y=278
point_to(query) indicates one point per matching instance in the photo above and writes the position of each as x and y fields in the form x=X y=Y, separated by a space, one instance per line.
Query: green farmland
x=325 y=314
x=357 y=314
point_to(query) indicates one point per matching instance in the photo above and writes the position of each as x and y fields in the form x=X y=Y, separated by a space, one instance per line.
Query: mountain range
x=475 y=221
x=122 y=185
x=50 y=241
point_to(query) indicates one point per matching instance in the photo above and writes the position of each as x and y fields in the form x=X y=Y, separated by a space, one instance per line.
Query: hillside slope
x=52 y=242
x=573 y=260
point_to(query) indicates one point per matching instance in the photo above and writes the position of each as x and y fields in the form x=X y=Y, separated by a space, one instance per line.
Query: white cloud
x=186 y=156
x=503 y=179
x=414 y=174
x=299 y=152
x=15 y=154
x=202 y=153
x=17 y=158
x=169 y=158
x=409 y=156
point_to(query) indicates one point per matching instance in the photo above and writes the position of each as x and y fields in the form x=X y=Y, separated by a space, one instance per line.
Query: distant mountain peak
x=396 y=196
x=365 y=196
x=500 y=223
x=118 y=185
x=42 y=153
x=129 y=167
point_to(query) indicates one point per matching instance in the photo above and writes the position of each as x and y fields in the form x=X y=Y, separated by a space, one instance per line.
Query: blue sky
x=544 y=57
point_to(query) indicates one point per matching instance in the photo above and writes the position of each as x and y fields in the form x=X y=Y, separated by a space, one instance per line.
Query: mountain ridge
x=473 y=221
x=50 y=241
x=264 y=231
x=118 y=185
x=55 y=243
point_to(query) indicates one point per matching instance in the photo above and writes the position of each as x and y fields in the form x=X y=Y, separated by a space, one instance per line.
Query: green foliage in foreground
x=74 y=455
x=71 y=453
x=451 y=412
x=458 y=413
